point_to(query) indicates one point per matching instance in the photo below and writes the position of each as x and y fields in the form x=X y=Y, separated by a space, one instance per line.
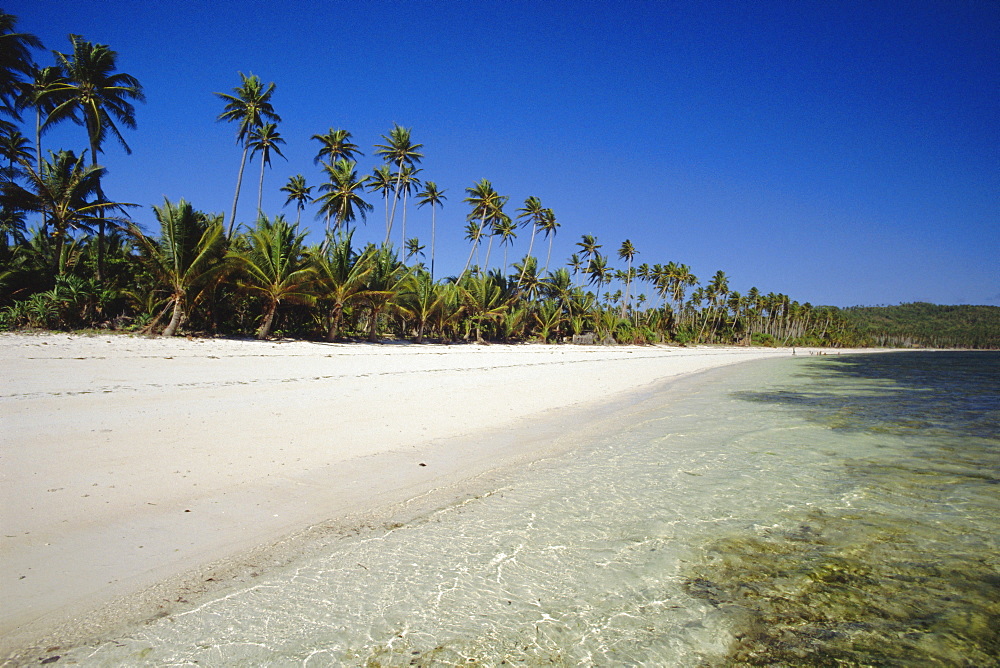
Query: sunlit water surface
x=810 y=511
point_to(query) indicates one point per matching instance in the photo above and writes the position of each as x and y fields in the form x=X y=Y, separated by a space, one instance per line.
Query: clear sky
x=840 y=152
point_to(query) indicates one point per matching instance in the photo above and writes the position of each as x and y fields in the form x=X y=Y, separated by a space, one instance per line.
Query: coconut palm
x=627 y=252
x=507 y=231
x=100 y=95
x=272 y=265
x=549 y=227
x=487 y=206
x=588 y=247
x=341 y=278
x=420 y=300
x=44 y=92
x=264 y=139
x=299 y=193
x=382 y=285
x=335 y=145
x=575 y=263
x=413 y=248
x=431 y=195
x=529 y=282
x=184 y=258
x=14 y=149
x=484 y=301
x=68 y=193
x=249 y=106
x=15 y=60
x=341 y=197
x=599 y=271
x=381 y=180
x=408 y=182
x=473 y=233
x=533 y=214
x=398 y=150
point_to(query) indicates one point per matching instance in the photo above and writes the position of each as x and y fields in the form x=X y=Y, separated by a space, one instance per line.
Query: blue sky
x=840 y=152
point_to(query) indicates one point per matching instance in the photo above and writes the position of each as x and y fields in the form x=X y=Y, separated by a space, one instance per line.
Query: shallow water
x=811 y=511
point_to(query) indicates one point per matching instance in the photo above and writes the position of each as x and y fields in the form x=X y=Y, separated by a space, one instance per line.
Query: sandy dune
x=125 y=462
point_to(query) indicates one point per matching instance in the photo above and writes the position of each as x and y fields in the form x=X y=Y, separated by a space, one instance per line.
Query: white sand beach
x=133 y=468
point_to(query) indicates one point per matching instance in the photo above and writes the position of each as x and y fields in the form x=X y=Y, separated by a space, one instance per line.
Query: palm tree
x=68 y=193
x=484 y=301
x=420 y=300
x=532 y=214
x=263 y=139
x=399 y=150
x=588 y=247
x=299 y=193
x=101 y=96
x=15 y=60
x=335 y=145
x=483 y=199
x=341 y=278
x=272 y=265
x=529 y=282
x=473 y=233
x=549 y=226
x=382 y=285
x=381 y=180
x=249 y=106
x=718 y=289
x=487 y=206
x=408 y=183
x=14 y=148
x=431 y=195
x=341 y=198
x=187 y=254
x=44 y=92
x=413 y=248
x=627 y=252
x=506 y=230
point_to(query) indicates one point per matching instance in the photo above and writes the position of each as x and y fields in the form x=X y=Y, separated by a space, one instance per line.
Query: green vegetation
x=928 y=325
x=84 y=263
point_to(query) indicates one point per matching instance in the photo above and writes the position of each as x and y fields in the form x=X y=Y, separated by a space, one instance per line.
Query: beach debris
x=422 y=464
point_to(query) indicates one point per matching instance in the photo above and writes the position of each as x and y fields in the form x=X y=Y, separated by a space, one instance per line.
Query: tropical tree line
x=85 y=263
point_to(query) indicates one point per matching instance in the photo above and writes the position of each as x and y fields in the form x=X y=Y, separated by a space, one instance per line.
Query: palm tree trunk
x=100 y=212
x=176 y=319
x=38 y=137
x=260 y=188
x=489 y=247
x=385 y=198
x=395 y=198
x=236 y=198
x=335 y=315
x=469 y=261
x=265 y=326
x=373 y=326
x=38 y=155
x=403 y=245
x=156 y=321
x=433 y=231
x=531 y=244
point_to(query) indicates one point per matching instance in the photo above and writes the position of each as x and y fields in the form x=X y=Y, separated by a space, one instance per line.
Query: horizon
x=844 y=156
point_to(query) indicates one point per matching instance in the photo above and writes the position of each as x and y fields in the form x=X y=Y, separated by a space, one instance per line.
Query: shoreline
x=138 y=472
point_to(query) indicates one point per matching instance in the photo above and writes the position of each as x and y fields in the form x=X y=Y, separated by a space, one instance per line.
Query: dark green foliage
x=928 y=325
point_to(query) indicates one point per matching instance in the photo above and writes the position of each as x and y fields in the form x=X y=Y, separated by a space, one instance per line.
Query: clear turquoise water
x=809 y=511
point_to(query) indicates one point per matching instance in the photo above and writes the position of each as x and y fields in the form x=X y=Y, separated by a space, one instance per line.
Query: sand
x=135 y=471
